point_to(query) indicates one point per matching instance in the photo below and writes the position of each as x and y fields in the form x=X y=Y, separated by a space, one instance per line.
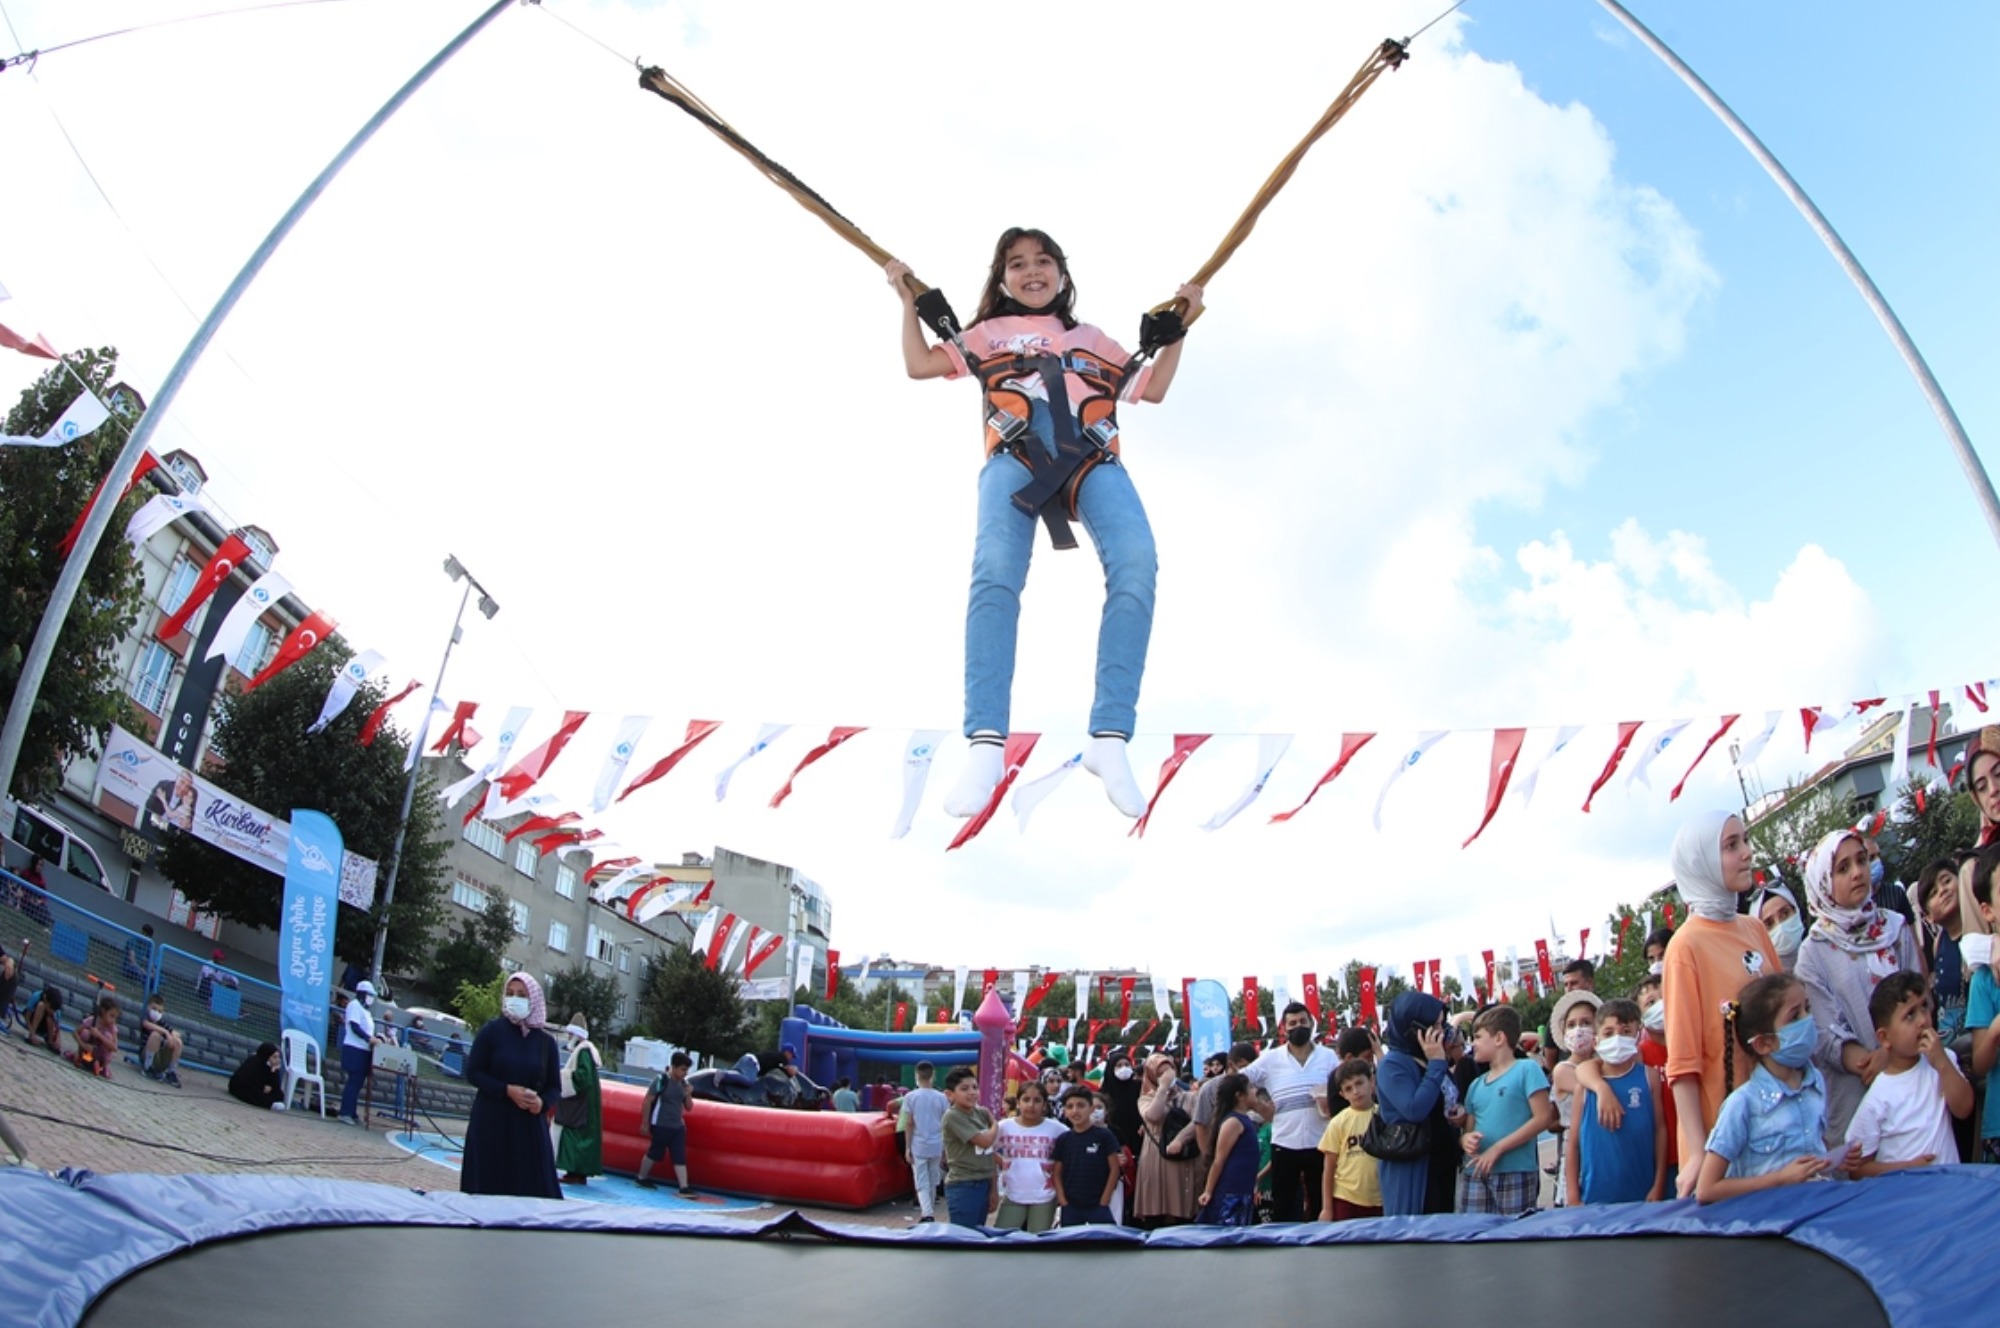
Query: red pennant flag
x=763 y=950
x=609 y=867
x=1350 y=743
x=461 y=718
x=697 y=730
x=381 y=712
x=1728 y=721
x=1187 y=993
x=1310 y=995
x=1185 y=745
x=989 y=980
x=1042 y=989
x=832 y=973
x=1437 y=978
x=1863 y=707
x=701 y=896
x=1250 y=1007
x=213 y=573
x=305 y=638
x=147 y=464
x=1125 y=1000
x=1506 y=750
x=1931 y=755
x=1975 y=692
x=536 y=763
x=902 y=1013
x=1491 y=985
x=548 y=845
x=1149 y=1031
x=37 y=346
x=1013 y=756
x=1670 y=917
x=1542 y=964
x=943 y=1015
x=534 y=823
x=1810 y=716
x=1368 y=995
x=1624 y=925
x=1583 y=943
x=1922 y=807
x=720 y=943
x=833 y=740
x=1881 y=818
x=1625 y=732
x=1095 y=1025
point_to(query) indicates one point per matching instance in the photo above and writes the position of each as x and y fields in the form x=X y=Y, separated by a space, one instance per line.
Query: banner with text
x=305 y=948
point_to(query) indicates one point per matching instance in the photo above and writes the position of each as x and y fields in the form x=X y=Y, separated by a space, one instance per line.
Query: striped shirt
x=1298 y=1123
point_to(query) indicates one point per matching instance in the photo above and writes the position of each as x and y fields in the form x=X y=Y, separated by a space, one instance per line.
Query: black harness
x=1083 y=434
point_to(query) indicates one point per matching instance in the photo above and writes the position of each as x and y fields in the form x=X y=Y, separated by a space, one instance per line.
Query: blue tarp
x=1920 y=1239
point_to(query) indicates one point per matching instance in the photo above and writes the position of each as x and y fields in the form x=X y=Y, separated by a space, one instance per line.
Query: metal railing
x=85 y=949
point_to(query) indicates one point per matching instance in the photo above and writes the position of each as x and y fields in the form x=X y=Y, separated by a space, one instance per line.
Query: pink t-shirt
x=1045 y=335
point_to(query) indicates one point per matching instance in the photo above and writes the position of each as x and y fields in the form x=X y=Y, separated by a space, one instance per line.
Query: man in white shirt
x=1295 y=1075
x=357 y=1049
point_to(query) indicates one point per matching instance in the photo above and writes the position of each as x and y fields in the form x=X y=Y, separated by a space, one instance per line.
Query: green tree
x=478 y=1003
x=473 y=954
x=1918 y=835
x=691 y=1005
x=42 y=491
x=269 y=760
x=1784 y=835
x=595 y=995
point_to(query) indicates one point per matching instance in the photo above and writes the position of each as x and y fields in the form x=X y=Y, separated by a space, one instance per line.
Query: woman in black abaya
x=514 y=1068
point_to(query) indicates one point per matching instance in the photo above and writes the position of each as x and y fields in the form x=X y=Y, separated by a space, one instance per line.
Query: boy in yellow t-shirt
x=1350 y=1187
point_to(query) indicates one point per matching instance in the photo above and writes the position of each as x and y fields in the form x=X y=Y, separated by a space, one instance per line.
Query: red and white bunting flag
x=1751 y=750
x=213 y=574
x=1492 y=982
x=918 y=751
x=1368 y=995
x=704 y=933
x=1930 y=753
x=630 y=730
x=1728 y=722
x=537 y=823
x=1424 y=743
x=1642 y=769
x=1013 y=756
x=80 y=419
x=1464 y=963
x=1526 y=788
x=493 y=803
x=1271 y=749
x=1437 y=978
x=381 y=712
x=1309 y=993
x=834 y=739
x=702 y=895
x=832 y=973
x=646 y=896
x=1040 y=992
x=537 y=762
x=697 y=731
x=609 y=867
x=37 y=346
x=1626 y=729
x=346 y=683
x=759 y=952
x=148 y=463
x=1899 y=758
x=459 y=727
x=561 y=839
x=1250 y=1001
x=1813 y=719
x=1583 y=943
x=1125 y=986
x=732 y=945
x=1543 y=965
x=159 y=512
x=262 y=596
x=1975 y=692
x=304 y=639
x=1506 y=751
x=1350 y=743
x=766 y=735
x=1031 y=794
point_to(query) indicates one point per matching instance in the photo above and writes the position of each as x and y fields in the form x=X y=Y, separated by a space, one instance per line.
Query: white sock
x=984 y=766
x=1105 y=758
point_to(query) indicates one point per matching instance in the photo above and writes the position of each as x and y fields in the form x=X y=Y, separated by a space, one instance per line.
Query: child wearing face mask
x=1768 y=1132
x=1574 y=1020
x=1628 y=1164
x=1778 y=909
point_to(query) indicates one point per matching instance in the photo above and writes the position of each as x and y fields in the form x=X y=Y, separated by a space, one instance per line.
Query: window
x=526 y=859
x=183 y=469
x=624 y=1009
x=467 y=895
x=156 y=675
x=624 y=960
x=180 y=580
x=566 y=882
x=256 y=644
x=520 y=912
x=559 y=937
x=261 y=551
x=486 y=838
x=597 y=945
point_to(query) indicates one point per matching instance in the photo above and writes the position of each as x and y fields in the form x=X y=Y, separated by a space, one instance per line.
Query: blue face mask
x=1875 y=872
x=1796 y=1041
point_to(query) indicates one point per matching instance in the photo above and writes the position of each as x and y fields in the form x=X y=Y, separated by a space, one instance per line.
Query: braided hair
x=1753 y=1014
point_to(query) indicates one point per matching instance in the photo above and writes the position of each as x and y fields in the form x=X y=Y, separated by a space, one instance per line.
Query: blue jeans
x=355 y=1062
x=1115 y=520
x=965 y=1202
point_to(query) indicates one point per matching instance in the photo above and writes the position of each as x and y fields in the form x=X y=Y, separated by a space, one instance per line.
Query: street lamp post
x=487 y=606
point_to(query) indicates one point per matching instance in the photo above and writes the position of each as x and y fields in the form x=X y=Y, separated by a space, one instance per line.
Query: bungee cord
x=30 y=57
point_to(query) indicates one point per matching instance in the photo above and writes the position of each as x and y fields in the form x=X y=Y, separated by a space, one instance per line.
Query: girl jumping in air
x=1024 y=339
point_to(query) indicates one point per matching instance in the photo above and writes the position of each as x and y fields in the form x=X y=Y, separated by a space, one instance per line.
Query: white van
x=58 y=846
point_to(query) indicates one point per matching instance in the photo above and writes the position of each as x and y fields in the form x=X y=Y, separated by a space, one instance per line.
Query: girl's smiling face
x=1033 y=277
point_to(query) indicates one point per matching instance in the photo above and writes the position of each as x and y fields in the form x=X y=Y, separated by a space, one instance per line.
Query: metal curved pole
x=1954 y=432
x=36 y=664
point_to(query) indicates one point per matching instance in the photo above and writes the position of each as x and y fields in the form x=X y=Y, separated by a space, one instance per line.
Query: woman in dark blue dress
x=513 y=1066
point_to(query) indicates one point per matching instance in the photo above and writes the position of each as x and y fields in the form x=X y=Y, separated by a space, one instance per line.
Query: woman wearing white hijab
x=1852 y=946
x=1714 y=954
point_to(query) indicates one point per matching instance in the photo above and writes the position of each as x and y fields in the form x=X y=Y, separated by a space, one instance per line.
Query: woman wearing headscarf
x=580 y=1113
x=1853 y=945
x=517 y=1076
x=1982 y=779
x=1121 y=1099
x=1166 y=1189
x=1712 y=957
x=259 y=1081
x=1409 y=1088
x=1778 y=909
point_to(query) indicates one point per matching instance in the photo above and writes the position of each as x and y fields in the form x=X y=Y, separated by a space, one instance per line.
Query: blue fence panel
x=82 y=947
x=202 y=991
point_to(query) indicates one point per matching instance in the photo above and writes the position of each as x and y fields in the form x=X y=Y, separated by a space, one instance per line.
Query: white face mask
x=1655 y=1017
x=1097 y=1115
x=1787 y=935
x=1123 y=1072
x=1582 y=1040
x=1617 y=1049
x=1656 y=968
x=514 y=1007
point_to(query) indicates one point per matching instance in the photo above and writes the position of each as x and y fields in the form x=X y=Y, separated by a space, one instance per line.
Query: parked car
x=58 y=846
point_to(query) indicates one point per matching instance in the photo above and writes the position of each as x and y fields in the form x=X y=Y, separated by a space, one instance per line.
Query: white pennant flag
x=1029 y=796
x=704 y=935
x=1899 y=763
x=1661 y=741
x=1161 y=1005
x=1563 y=735
x=1424 y=743
x=802 y=975
x=160 y=511
x=630 y=730
x=83 y=416
x=1041 y=1028
x=1271 y=748
x=1464 y=973
x=432 y=710
x=766 y=735
x=1020 y=989
x=958 y=990
x=917 y=754
x=1751 y=750
x=1514 y=965
x=345 y=684
x=540 y=803
x=737 y=936
x=1281 y=994
x=510 y=733
x=263 y=595
x=1082 y=997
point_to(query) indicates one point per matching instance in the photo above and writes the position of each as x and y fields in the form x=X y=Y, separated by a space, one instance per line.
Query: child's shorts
x=1507 y=1193
x=669 y=1139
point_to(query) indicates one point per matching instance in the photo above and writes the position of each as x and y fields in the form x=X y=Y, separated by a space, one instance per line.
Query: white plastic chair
x=302 y=1066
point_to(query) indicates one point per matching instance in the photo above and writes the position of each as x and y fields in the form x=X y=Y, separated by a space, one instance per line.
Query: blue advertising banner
x=312 y=901
x=1208 y=1020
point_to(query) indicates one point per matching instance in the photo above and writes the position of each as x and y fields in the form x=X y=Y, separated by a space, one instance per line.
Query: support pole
x=35 y=666
x=1927 y=383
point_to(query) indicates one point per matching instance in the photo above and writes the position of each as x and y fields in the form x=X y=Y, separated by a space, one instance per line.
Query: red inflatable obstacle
x=838 y=1159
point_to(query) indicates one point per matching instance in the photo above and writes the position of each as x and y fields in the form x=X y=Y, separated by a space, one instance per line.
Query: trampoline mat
x=459 y=1275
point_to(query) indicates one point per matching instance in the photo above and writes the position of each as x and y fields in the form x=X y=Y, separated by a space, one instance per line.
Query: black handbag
x=1404 y=1141
x=573 y=1113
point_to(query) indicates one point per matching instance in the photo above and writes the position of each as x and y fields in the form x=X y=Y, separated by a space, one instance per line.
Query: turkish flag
x=461 y=717
x=720 y=942
x=1625 y=732
x=1187 y=992
x=1350 y=743
x=1583 y=943
x=1437 y=978
x=305 y=638
x=1368 y=995
x=1125 y=999
x=697 y=730
x=147 y=464
x=1042 y=989
x=536 y=763
x=534 y=823
x=1185 y=745
x=1491 y=987
x=381 y=712
x=1669 y=910
x=1542 y=964
x=1624 y=925
x=902 y=1014
x=213 y=573
x=989 y=980
x=832 y=973
x=763 y=950
x=1310 y=994
x=1506 y=750
x=833 y=740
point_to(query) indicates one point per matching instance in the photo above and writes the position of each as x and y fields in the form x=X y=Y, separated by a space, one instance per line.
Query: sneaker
x=172 y=1078
x=689 y=1194
x=925 y=1218
x=280 y=1106
x=648 y=1183
x=348 y=1120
